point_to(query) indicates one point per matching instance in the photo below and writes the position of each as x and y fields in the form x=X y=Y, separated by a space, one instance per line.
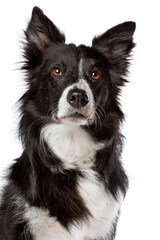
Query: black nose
x=77 y=98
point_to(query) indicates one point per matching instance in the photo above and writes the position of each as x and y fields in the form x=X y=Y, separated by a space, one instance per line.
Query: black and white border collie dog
x=69 y=183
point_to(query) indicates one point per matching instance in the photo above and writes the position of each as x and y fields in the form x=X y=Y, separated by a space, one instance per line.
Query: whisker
x=95 y=120
x=98 y=118
x=101 y=109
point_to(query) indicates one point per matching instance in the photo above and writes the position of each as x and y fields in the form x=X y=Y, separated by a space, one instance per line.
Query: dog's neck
x=71 y=144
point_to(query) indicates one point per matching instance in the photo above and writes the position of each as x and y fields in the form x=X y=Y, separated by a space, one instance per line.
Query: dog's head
x=69 y=83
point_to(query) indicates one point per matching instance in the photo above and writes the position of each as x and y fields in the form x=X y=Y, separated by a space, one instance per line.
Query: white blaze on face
x=65 y=109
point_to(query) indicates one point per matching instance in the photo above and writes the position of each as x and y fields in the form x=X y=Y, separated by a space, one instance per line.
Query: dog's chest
x=102 y=206
x=76 y=150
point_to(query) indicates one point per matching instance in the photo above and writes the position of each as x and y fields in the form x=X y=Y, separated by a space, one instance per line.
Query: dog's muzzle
x=76 y=104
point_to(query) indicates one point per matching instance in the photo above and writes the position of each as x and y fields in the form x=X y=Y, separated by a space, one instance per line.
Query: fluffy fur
x=69 y=182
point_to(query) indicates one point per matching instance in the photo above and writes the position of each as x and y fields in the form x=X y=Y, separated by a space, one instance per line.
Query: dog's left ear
x=117 y=44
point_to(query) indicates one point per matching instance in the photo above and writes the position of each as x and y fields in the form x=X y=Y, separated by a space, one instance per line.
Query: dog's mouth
x=77 y=115
x=76 y=118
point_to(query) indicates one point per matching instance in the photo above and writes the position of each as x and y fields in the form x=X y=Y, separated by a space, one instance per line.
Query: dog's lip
x=75 y=117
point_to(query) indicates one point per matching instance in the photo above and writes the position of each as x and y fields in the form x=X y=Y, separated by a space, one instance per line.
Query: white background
x=80 y=21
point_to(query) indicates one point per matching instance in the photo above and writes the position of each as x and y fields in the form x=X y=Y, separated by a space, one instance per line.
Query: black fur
x=38 y=175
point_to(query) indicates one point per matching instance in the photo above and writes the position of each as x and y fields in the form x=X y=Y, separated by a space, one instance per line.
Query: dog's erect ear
x=117 y=44
x=39 y=34
x=41 y=31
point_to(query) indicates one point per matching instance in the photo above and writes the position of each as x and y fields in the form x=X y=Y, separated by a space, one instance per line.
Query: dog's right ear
x=39 y=34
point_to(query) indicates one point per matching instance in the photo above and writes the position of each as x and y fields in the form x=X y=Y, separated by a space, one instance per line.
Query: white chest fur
x=101 y=204
x=71 y=144
x=76 y=149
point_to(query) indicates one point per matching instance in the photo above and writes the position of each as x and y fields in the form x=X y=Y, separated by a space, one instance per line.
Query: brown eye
x=95 y=75
x=57 y=72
